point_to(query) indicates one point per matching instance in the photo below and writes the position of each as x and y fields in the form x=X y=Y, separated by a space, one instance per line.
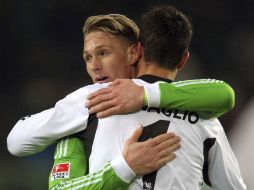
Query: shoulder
x=140 y=82
x=86 y=90
x=212 y=126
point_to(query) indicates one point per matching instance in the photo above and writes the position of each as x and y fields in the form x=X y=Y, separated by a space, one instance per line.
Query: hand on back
x=148 y=156
x=122 y=96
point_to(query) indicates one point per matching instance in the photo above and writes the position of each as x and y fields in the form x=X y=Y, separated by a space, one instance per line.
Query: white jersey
x=204 y=156
x=69 y=116
x=34 y=133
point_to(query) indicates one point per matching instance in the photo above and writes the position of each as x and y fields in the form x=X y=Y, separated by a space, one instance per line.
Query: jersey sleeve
x=223 y=169
x=70 y=169
x=34 y=133
x=208 y=97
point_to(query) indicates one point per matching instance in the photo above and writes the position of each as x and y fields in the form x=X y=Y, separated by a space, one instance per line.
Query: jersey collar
x=153 y=79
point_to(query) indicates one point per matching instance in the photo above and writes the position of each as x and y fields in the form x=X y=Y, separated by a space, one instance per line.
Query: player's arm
x=209 y=98
x=222 y=169
x=70 y=164
x=70 y=170
x=34 y=133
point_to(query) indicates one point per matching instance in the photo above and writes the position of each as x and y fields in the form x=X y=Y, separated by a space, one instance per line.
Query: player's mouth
x=102 y=79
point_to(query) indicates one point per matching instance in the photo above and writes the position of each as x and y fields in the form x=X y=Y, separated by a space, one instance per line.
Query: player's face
x=106 y=57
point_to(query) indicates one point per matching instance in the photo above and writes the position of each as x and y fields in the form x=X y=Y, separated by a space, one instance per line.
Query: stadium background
x=41 y=62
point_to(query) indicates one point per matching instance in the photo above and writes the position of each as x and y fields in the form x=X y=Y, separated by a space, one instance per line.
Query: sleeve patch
x=61 y=171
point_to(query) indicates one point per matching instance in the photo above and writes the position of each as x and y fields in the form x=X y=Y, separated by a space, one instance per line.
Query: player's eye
x=88 y=59
x=103 y=52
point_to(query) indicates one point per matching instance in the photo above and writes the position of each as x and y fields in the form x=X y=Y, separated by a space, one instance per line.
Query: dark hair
x=166 y=35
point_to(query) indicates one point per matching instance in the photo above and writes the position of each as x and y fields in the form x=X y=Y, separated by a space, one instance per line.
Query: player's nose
x=96 y=64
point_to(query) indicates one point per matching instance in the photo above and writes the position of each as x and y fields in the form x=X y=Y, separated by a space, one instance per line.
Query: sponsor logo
x=61 y=171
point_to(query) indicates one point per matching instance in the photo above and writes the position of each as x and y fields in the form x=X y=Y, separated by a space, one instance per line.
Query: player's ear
x=134 y=53
x=140 y=50
x=183 y=60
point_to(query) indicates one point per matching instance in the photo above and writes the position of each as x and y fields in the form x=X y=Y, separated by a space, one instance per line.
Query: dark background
x=41 y=61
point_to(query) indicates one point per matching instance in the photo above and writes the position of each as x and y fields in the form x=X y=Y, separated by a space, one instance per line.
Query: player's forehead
x=99 y=39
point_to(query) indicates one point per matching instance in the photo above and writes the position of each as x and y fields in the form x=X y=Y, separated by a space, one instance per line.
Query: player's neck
x=154 y=69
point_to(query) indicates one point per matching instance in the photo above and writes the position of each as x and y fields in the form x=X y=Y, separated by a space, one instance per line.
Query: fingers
x=165 y=160
x=98 y=96
x=163 y=148
x=169 y=150
x=116 y=99
x=136 y=134
x=167 y=154
x=100 y=107
x=97 y=93
x=161 y=138
x=100 y=100
x=116 y=82
x=108 y=112
x=171 y=143
x=121 y=81
x=148 y=156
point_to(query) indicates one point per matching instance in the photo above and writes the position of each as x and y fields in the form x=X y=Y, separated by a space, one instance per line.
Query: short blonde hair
x=115 y=24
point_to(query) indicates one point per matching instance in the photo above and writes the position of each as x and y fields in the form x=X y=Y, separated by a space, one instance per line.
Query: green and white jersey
x=70 y=170
x=205 y=155
x=208 y=97
x=32 y=134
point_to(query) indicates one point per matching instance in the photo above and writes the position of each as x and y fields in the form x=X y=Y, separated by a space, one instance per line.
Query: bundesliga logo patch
x=61 y=171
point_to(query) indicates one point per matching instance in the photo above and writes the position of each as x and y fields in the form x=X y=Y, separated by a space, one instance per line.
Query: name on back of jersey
x=191 y=117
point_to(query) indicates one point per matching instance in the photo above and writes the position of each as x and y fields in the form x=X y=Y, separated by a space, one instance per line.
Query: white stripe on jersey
x=61 y=149
x=86 y=184
x=192 y=80
x=57 y=151
x=65 y=148
x=202 y=81
x=84 y=180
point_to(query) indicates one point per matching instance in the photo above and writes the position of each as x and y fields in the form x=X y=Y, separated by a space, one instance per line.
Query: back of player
x=205 y=155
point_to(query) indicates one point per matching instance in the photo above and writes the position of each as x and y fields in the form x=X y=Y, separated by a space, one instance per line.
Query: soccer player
x=205 y=155
x=69 y=107
x=94 y=24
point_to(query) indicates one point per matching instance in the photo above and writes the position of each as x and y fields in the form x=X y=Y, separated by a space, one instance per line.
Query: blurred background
x=41 y=62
